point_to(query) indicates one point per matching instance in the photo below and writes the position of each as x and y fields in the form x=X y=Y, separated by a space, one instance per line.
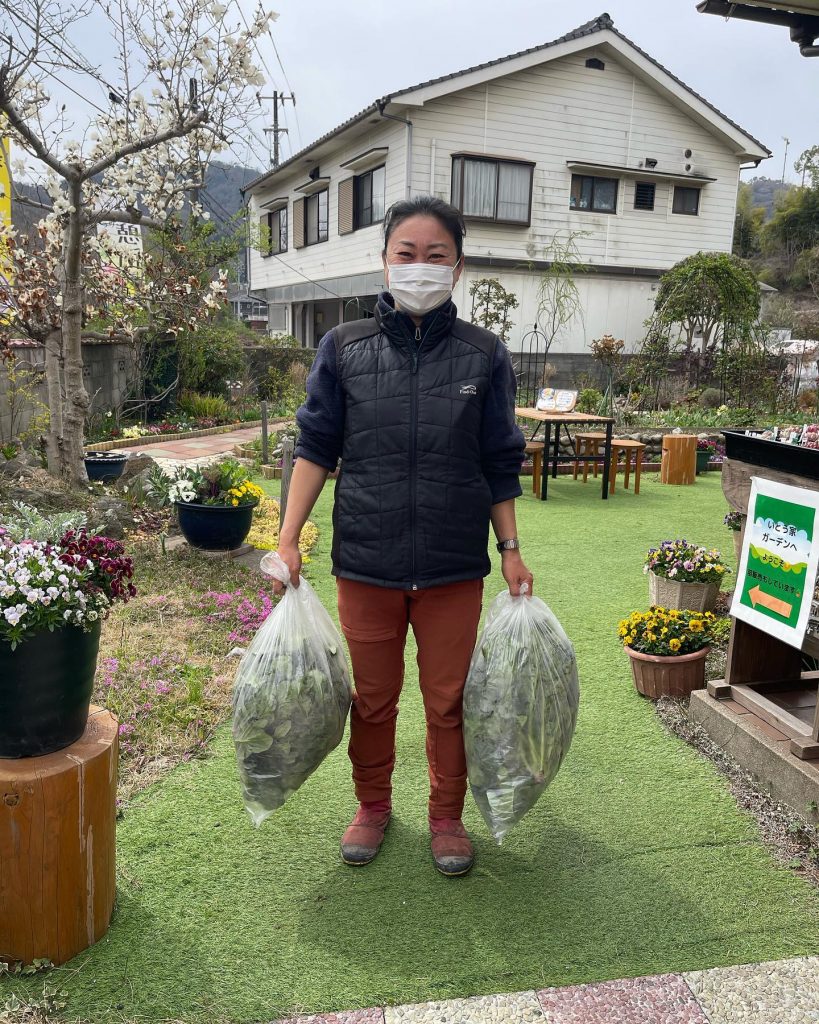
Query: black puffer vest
x=412 y=504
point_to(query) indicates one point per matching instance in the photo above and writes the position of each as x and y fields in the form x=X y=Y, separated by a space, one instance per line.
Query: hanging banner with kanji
x=778 y=562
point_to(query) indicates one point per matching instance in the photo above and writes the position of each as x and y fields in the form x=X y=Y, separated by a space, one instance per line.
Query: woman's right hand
x=291 y=556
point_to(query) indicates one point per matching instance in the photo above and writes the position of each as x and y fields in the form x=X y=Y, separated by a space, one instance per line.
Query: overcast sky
x=340 y=56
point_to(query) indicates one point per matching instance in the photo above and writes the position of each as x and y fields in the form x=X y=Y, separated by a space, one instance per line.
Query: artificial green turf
x=636 y=861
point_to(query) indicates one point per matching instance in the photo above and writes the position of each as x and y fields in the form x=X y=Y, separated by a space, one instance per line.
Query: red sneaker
x=362 y=840
x=451 y=846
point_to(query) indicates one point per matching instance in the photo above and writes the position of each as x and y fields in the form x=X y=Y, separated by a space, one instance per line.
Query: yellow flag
x=5 y=182
x=6 y=278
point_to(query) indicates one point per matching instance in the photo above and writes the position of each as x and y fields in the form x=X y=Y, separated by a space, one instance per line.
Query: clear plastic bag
x=520 y=708
x=291 y=696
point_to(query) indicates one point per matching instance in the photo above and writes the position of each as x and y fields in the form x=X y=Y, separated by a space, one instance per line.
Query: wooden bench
x=590 y=444
x=535 y=449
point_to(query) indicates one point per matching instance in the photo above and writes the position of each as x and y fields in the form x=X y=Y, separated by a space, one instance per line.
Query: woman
x=419 y=405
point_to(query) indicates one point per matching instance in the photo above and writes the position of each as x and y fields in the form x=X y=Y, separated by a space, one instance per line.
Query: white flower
x=13 y=615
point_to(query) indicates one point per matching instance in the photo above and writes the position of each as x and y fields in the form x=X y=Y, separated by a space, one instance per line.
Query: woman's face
x=422 y=239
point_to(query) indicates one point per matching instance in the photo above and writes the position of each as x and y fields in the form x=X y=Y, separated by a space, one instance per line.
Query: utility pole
x=276 y=131
x=785 y=158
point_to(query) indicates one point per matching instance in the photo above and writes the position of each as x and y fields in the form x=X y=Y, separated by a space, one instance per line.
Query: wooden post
x=679 y=463
x=264 y=433
x=287 y=472
x=57 y=846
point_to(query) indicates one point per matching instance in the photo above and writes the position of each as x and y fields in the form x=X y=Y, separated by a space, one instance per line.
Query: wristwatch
x=509 y=545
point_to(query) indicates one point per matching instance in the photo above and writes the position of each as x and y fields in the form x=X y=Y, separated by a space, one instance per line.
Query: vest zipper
x=413 y=443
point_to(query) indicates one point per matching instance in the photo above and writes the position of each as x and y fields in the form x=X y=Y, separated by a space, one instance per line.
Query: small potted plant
x=214 y=504
x=735 y=521
x=705 y=451
x=683 y=575
x=105 y=467
x=667 y=648
x=53 y=598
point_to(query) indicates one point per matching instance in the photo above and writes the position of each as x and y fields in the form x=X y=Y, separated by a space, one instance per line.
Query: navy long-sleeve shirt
x=321 y=421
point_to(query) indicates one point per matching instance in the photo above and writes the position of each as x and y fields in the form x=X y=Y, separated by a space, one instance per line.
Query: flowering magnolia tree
x=182 y=93
x=154 y=294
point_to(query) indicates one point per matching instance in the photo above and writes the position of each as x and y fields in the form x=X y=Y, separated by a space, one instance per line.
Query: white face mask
x=420 y=287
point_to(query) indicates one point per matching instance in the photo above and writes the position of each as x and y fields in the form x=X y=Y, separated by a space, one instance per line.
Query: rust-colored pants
x=445 y=623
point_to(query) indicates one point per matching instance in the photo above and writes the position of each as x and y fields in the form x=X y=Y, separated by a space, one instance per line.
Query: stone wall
x=105 y=373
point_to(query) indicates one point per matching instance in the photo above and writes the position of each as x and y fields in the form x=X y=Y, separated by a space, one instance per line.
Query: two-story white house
x=587 y=136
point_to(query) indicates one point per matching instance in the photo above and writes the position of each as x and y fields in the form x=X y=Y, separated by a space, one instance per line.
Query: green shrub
x=589 y=400
x=710 y=398
x=211 y=407
x=212 y=356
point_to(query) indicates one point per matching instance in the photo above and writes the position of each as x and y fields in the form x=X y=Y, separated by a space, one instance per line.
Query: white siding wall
x=612 y=305
x=341 y=255
x=565 y=111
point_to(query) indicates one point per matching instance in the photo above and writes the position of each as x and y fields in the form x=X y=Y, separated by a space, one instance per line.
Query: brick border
x=133 y=442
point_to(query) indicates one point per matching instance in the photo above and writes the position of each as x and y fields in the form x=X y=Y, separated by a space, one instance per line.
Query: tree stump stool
x=679 y=461
x=57 y=846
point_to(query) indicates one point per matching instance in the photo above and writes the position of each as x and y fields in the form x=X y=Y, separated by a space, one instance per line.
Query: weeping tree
x=705 y=299
x=182 y=90
x=558 y=297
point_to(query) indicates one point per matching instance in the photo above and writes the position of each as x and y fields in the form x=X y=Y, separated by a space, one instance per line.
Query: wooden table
x=551 y=450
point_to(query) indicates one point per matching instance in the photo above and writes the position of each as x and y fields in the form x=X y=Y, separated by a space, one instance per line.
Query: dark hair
x=427 y=206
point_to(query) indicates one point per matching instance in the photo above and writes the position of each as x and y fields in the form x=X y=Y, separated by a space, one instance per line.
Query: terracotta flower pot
x=658 y=675
x=699 y=597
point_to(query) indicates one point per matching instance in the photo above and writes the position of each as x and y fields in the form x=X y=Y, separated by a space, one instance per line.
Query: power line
x=266 y=66
x=287 y=83
x=80 y=63
x=255 y=42
x=318 y=284
x=51 y=74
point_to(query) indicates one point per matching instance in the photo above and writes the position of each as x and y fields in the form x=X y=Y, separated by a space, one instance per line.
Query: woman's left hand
x=515 y=572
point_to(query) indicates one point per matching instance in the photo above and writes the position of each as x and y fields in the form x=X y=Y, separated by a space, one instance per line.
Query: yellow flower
x=674 y=644
x=235 y=501
x=628 y=639
x=695 y=625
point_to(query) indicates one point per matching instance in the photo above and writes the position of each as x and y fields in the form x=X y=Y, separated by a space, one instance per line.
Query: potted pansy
x=683 y=575
x=735 y=521
x=54 y=595
x=706 y=449
x=214 y=504
x=667 y=648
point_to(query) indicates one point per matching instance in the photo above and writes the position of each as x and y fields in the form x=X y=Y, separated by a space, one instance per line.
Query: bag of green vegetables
x=520 y=708
x=291 y=696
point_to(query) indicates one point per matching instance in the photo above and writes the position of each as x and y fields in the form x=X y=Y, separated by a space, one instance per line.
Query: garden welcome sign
x=777 y=566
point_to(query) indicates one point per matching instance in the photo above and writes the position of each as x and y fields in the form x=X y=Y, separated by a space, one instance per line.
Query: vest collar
x=400 y=327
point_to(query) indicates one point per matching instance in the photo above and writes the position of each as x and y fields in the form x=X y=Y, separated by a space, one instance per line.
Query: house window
x=316 y=217
x=275 y=232
x=644 y=195
x=686 y=200
x=369 y=197
x=598 y=195
x=496 y=190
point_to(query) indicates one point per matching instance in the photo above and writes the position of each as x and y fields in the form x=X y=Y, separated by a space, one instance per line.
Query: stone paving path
x=197 y=447
x=778 y=992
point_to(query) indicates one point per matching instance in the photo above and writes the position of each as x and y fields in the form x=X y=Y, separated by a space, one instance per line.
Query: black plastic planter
x=104 y=466
x=214 y=527
x=45 y=690
x=788 y=458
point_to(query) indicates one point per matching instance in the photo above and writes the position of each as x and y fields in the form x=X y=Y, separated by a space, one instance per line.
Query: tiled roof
x=599 y=24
